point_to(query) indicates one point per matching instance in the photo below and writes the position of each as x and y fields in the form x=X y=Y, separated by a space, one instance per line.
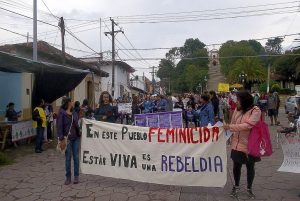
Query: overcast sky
x=146 y=35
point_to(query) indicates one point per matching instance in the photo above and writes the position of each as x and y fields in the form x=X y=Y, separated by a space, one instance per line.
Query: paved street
x=41 y=177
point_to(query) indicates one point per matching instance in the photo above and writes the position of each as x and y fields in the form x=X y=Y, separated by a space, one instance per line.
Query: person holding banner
x=68 y=127
x=205 y=113
x=105 y=111
x=244 y=117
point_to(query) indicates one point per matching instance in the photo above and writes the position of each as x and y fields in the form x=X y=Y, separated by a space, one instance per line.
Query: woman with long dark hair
x=244 y=117
x=105 y=111
x=67 y=127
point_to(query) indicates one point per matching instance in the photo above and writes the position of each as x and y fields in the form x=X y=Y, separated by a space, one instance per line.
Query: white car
x=291 y=104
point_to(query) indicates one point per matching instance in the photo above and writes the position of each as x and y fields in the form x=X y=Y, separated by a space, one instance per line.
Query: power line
x=14 y=32
x=213 y=44
x=225 y=57
x=10 y=11
x=208 y=10
x=207 y=19
x=121 y=45
x=209 y=14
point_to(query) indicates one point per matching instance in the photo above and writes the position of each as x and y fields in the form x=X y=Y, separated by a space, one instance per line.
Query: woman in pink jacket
x=244 y=117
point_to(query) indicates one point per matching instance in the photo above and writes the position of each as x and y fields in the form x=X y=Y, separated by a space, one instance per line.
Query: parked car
x=291 y=104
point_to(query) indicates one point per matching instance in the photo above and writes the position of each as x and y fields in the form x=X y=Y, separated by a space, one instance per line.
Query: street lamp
x=205 y=82
x=243 y=78
x=199 y=88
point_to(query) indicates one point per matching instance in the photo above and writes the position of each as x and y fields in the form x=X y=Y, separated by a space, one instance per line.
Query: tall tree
x=273 y=45
x=251 y=67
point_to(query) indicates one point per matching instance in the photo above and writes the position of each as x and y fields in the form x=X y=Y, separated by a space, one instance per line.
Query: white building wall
x=26 y=90
x=121 y=78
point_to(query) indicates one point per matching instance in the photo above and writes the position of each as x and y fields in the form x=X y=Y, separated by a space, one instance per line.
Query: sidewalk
x=41 y=177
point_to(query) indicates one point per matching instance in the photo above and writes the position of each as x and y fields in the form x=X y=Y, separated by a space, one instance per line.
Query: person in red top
x=244 y=117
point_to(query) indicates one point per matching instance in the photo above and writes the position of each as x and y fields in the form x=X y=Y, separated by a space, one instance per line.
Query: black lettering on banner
x=123 y=160
x=88 y=130
x=149 y=167
x=124 y=131
x=146 y=157
x=84 y=156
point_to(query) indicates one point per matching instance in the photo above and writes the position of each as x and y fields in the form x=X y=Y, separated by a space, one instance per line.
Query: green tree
x=193 y=76
x=255 y=71
x=273 y=45
x=232 y=50
x=181 y=76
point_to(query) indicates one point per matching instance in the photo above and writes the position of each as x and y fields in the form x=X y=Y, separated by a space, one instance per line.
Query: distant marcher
x=105 y=111
x=244 y=117
x=148 y=105
x=179 y=104
x=272 y=108
x=215 y=102
x=49 y=117
x=84 y=108
x=11 y=114
x=169 y=104
x=67 y=127
x=205 y=113
x=255 y=99
x=135 y=109
x=77 y=107
x=161 y=104
x=40 y=124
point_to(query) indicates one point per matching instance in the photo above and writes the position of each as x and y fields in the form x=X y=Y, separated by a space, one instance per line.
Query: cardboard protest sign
x=223 y=87
x=172 y=156
x=125 y=108
x=290 y=144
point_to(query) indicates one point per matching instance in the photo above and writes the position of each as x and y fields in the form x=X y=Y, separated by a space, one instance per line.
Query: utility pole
x=153 y=72
x=27 y=39
x=101 y=38
x=34 y=44
x=113 y=34
x=61 y=25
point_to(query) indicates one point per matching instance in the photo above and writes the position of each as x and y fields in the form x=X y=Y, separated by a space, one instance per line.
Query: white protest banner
x=22 y=130
x=172 y=156
x=290 y=144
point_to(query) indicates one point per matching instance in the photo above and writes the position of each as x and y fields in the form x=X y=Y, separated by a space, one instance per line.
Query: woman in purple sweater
x=67 y=127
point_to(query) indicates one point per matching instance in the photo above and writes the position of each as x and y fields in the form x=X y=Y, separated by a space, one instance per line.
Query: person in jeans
x=67 y=126
x=272 y=103
x=244 y=117
x=40 y=124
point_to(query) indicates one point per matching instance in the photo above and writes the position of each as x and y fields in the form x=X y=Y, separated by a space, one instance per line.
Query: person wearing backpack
x=245 y=116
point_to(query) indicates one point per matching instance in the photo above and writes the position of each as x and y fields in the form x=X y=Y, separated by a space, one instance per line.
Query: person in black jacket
x=215 y=102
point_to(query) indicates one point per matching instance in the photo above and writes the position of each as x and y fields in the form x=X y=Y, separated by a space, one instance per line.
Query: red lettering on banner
x=159 y=134
x=200 y=134
x=182 y=135
x=206 y=134
x=170 y=132
x=192 y=136
x=215 y=133
x=151 y=132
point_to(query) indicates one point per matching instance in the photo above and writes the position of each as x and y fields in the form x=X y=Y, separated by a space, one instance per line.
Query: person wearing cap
x=11 y=114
